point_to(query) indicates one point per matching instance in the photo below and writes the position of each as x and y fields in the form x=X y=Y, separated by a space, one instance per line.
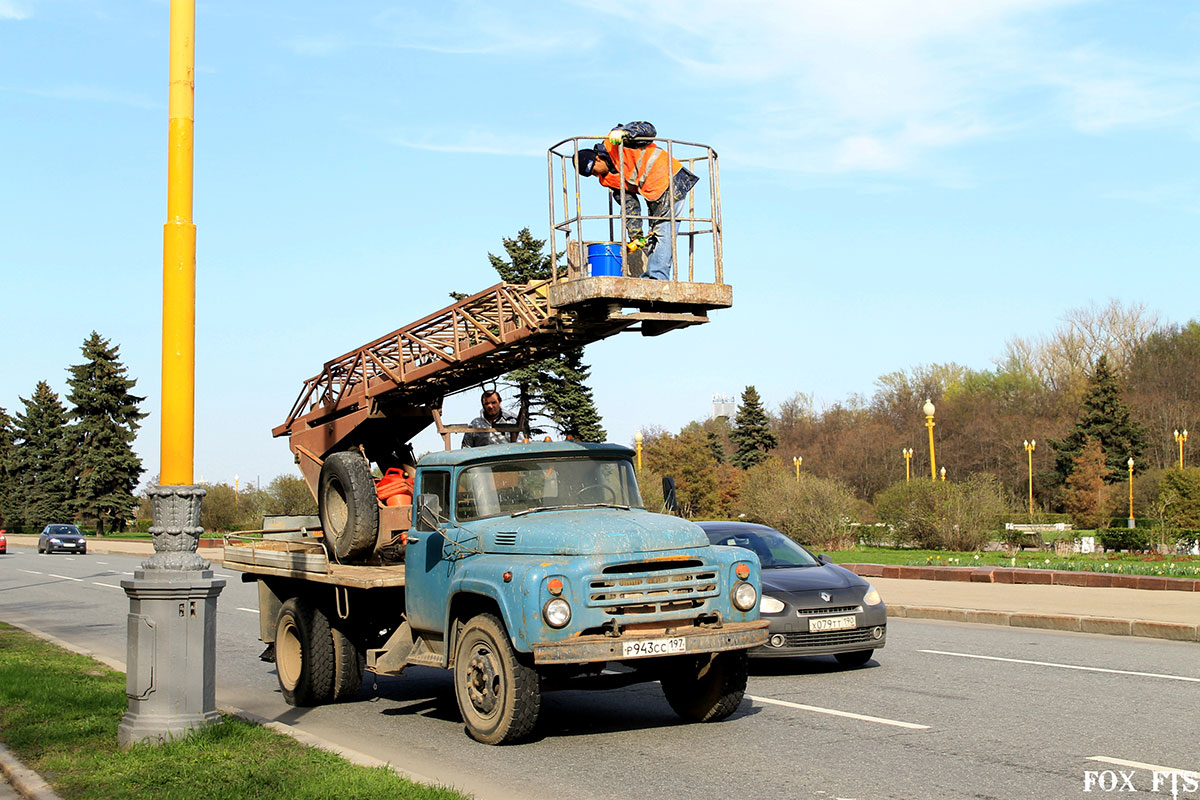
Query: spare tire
x=347 y=505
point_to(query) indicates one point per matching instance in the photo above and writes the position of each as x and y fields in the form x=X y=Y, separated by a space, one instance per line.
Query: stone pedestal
x=172 y=634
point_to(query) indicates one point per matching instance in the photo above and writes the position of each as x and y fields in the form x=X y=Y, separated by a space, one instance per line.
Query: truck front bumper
x=584 y=649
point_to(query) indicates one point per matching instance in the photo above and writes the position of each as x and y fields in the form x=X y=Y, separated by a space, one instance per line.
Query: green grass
x=59 y=713
x=1116 y=563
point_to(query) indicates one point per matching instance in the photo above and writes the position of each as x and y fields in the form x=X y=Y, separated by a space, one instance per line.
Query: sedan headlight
x=744 y=596
x=872 y=598
x=557 y=613
x=770 y=605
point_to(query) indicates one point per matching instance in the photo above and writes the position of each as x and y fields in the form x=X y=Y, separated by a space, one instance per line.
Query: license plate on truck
x=831 y=624
x=654 y=647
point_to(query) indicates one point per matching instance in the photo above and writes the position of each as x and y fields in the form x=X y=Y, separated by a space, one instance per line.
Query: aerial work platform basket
x=591 y=225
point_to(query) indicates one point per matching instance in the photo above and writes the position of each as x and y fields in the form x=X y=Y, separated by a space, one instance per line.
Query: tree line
x=73 y=462
x=1111 y=384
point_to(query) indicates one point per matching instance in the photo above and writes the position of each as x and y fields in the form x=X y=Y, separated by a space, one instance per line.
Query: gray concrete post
x=172 y=627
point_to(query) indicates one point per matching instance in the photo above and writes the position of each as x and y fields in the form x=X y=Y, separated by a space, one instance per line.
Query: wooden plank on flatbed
x=284 y=559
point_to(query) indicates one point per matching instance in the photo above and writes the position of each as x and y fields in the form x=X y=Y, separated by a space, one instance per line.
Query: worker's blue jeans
x=663 y=233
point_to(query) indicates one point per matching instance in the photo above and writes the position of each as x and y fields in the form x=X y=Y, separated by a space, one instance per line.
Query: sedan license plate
x=831 y=624
x=654 y=647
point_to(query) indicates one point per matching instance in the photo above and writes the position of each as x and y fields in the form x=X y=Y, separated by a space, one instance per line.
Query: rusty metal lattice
x=453 y=344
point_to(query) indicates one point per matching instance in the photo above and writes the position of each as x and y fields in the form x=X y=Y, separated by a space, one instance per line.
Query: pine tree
x=108 y=419
x=752 y=431
x=554 y=388
x=1104 y=417
x=44 y=476
x=7 y=471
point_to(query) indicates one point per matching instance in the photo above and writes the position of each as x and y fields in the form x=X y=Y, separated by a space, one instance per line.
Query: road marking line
x=223 y=575
x=64 y=577
x=251 y=610
x=32 y=572
x=105 y=563
x=835 y=713
x=1186 y=773
x=109 y=585
x=1066 y=666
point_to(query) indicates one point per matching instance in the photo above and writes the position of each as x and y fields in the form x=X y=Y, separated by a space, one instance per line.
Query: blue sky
x=902 y=183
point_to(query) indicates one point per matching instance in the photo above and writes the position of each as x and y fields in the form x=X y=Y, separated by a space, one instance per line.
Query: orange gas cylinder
x=394 y=488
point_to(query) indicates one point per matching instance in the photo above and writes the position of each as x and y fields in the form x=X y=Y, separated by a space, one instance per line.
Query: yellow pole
x=797 y=461
x=1029 y=448
x=1130 y=464
x=637 y=437
x=929 y=424
x=1181 y=438
x=908 y=454
x=179 y=259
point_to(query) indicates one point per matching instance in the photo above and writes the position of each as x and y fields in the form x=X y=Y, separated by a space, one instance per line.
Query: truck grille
x=652 y=588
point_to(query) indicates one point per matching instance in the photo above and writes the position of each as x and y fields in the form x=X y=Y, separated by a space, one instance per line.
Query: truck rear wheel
x=707 y=688
x=347 y=505
x=348 y=665
x=304 y=654
x=498 y=695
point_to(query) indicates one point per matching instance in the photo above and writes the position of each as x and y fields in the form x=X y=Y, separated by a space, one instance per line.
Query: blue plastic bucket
x=604 y=259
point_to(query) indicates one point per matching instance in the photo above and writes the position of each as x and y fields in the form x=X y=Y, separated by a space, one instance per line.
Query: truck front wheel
x=304 y=654
x=498 y=695
x=707 y=688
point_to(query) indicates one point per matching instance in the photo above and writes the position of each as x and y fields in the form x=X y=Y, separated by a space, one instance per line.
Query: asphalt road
x=945 y=711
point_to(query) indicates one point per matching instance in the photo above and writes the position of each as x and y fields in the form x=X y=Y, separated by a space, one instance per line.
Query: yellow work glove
x=617 y=135
x=637 y=244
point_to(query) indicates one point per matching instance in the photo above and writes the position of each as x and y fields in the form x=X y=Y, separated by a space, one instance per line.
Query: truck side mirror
x=428 y=509
x=669 y=501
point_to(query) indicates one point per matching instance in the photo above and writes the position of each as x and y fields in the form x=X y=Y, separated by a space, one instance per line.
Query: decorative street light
x=1030 y=446
x=637 y=438
x=928 y=409
x=943 y=474
x=907 y=453
x=796 y=462
x=1130 y=464
x=1181 y=438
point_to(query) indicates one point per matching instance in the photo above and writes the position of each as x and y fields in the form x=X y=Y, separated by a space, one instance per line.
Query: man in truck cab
x=492 y=416
x=647 y=171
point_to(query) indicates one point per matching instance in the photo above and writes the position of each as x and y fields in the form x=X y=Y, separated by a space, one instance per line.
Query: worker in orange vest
x=648 y=171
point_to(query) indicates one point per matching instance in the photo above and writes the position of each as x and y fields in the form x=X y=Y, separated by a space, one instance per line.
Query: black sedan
x=62 y=539
x=815 y=607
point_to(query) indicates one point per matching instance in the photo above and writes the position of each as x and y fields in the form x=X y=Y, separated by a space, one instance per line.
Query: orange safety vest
x=649 y=169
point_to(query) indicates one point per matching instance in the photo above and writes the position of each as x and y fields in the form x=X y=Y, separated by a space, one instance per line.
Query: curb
x=1041 y=577
x=1174 y=631
x=25 y=781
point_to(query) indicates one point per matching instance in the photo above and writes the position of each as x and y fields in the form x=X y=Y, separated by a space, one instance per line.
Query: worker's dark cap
x=586 y=159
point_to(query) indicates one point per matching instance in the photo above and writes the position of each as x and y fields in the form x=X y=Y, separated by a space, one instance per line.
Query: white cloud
x=94 y=94
x=881 y=84
x=477 y=141
x=11 y=9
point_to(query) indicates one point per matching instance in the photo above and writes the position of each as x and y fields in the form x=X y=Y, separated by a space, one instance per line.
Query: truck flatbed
x=305 y=560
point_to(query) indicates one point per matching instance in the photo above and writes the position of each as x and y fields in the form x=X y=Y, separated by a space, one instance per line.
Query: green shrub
x=1123 y=539
x=951 y=515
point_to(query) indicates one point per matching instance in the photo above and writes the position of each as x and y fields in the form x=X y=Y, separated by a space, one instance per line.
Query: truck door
x=429 y=560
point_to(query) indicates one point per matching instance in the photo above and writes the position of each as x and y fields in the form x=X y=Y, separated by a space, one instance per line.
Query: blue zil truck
x=525 y=566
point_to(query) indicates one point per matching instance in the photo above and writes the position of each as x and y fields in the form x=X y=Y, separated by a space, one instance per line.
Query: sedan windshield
x=774 y=550
x=63 y=530
x=513 y=487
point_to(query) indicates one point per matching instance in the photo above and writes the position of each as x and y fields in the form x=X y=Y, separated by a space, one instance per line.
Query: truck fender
x=480 y=594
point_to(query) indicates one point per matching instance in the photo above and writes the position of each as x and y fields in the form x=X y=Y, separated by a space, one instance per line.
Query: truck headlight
x=557 y=612
x=770 y=605
x=744 y=596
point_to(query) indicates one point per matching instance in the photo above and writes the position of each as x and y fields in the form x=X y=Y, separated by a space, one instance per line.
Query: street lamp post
x=796 y=462
x=1180 y=438
x=1030 y=446
x=637 y=438
x=943 y=474
x=1129 y=463
x=907 y=453
x=929 y=409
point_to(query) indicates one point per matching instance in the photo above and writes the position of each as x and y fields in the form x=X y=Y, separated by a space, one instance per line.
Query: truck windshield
x=510 y=487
